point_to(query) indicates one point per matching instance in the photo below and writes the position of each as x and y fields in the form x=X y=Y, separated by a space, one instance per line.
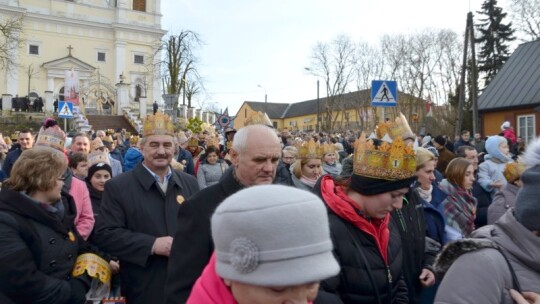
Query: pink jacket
x=210 y=288
x=84 y=220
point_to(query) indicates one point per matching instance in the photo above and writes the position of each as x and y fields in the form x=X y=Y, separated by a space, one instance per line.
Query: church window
x=33 y=49
x=101 y=56
x=139 y=5
x=138 y=59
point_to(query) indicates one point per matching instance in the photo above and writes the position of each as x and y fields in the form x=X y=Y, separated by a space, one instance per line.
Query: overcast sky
x=268 y=43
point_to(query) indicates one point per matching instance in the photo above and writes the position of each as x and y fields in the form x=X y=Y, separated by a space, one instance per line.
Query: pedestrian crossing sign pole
x=65 y=110
x=383 y=94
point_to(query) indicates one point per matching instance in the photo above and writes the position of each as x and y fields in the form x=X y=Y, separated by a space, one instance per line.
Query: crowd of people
x=255 y=215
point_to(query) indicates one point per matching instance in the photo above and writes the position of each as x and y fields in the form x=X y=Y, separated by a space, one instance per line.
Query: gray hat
x=527 y=210
x=273 y=235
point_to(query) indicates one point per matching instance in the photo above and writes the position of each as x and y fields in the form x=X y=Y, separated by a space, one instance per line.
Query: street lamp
x=318 y=102
x=265 y=96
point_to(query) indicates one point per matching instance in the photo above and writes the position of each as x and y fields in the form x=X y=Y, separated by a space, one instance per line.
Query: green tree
x=494 y=37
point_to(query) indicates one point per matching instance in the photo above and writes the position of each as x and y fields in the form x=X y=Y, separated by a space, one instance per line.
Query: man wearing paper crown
x=364 y=237
x=138 y=215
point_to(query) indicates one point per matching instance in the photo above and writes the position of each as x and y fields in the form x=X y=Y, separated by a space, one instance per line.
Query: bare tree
x=11 y=28
x=180 y=62
x=334 y=62
x=526 y=18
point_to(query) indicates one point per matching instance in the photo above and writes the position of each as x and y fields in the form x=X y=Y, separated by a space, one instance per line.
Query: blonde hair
x=455 y=171
x=423 y=156
x=299 y=163
x=37 y=169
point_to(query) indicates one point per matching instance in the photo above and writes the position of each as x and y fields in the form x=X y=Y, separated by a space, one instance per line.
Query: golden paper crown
x=52 y=137
x=259 y=119
x=398 y=128
x=15 y=136
x=158 y=124
x=98 y=157
x=212 y=141
x=134 y=139
x=310 y=150
x=512 y=171
x=388 y=161
x=96 y=144
x=193 y=142
x=94 y=266
x=109 y=132
x=328 y=148
x=108 y=139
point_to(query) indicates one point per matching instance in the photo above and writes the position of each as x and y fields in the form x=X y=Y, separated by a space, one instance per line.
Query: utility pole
x=469 y=37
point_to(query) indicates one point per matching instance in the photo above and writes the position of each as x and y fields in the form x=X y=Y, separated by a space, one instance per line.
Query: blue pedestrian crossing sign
x=383 y=93
x=65 y=109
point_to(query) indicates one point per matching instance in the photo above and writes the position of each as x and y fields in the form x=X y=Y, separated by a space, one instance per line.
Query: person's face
x=230 y=135
x=81 y=170
x=378 y=206
x=466 y=136
x=257 y=164
x=288 y=157
x=99 y=178
x=472 y=156
x=468 y=179
x=504 y=148
x=212 y=158
x=26 y=140
x=426 y=174
x=330 y=158
x=81 y=144
x=312 y=169
x=158 y=151
x=252 y=294
x=477 y=137
x=54 y=194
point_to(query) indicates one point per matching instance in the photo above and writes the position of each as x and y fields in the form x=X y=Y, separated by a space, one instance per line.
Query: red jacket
x=210 y=288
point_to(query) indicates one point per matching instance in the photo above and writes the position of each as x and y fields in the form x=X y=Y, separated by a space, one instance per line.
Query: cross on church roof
x=70 y=48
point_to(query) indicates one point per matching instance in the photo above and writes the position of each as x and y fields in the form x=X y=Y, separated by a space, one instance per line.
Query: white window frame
x=526 y=137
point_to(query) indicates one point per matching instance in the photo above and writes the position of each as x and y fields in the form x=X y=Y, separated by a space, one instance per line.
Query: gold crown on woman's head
x=394 y=129
x=158 y=124
x=388 y=161
x=328 y=148
x=259 y=118
x=212 y=141
x=193 y=142
x=52 y=137
x=310 y=150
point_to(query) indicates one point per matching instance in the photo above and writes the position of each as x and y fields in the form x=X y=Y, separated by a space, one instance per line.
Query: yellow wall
x=88 y=26
x=492 y=121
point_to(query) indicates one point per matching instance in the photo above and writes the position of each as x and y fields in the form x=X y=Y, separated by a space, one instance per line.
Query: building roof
x=518 y=82
x=308 y=107
x=274 y=110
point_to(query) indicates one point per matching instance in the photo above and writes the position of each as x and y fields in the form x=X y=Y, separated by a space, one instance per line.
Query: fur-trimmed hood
x=452 y=251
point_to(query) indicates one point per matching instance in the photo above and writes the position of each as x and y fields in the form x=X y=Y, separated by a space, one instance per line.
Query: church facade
x=105 y=42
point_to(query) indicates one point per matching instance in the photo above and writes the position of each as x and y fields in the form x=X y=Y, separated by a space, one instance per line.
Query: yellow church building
x=105 y=42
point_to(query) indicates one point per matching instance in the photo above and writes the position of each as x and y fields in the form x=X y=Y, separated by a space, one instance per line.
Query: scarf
x=210 y=288
x=309 y=181
x=459 y=208
x=425 y=194
x=347 y=209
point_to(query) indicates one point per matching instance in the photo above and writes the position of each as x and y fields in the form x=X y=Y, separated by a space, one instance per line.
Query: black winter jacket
x=38 y=251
